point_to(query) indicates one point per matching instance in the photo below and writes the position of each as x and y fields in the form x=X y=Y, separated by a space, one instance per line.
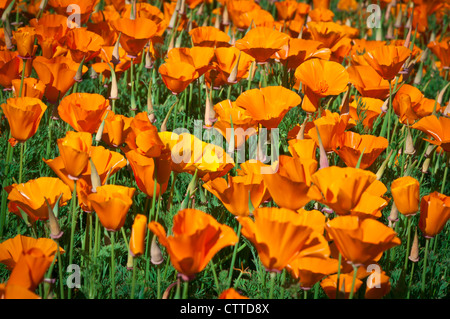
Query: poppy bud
x=148 y=60
x=383 y=166
x=130 y=261
x=55 y=230
x=155 y=253
x=408 y=24
x=393 y=216
x=441 y=94
x=92 y=73
x=398 y=20
x=79 y=75
x=150 y=111
x=323 y=154
x=137 y=239
x=409 y=144
x=173 y=18
x=419 y=74
x=225 y=16
x=114 y=94
x=446 y=112
x=217 y=22
x=115 y=58
x=8 y=36
x=95 y=178
x=414 y=255
x=390 y=32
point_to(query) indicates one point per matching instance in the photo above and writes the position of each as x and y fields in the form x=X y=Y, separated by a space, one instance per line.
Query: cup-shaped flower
x=30 y=196
x=387 y=60
x=75 y=149
x=329 y=285
x=352 y=145
x=209 y=36
x=25 y=41
x=24 y=115
x=310 y=270
x=137 y=238
x=361 y=240
x=83 y=111
x=368 y=82
x=116 y=126
x=406 y=193
x=10 y=67
x=111 y=203
x=438 y=128
x=434 y=213
x=289 y=186
x=31 y=88
x=366 y=110
x=268 y=105
x=196 y=238
x=340 y=188
x=262 y=42
x=236 y=192
x=83 y=44
x=11 y=249
x=320 y=78
x=278 y=235
x=177 y=75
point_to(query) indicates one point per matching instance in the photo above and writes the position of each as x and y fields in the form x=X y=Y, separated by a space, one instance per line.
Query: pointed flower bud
x=155 y=253
x=414 y=255
x=55 y=230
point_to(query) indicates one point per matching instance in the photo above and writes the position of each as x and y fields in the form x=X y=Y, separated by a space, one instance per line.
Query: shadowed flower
x=196 y=238
x=387 y=60
x=75 y=149
x=289 y=186
x=262 y=42
x=209 y=36
x=438 y=128
x=268 y=105
x=310 y=270
x=83 y=111
x=10 y=67
x=177 y=75
x=225 y=60
x=352 y=145
x=31 y=88
x=83 y=44
x=11 y=249
x=368 y=82
x=361 y=240
x=406 y=193
x=434 y=213
x=25 y=41
x=111 y=203
x=236 y=192
x=329 y=285
x=30 y=196
x=24 y=115
x=278 y=235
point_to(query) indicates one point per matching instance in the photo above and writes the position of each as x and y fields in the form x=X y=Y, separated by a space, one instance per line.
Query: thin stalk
x=355 y=270
x=389 y=112
x=445 y=175
x=22 y=145
x=233 y=259
x=61 y=281
x=410 y=281
x=133 y=280
x=424 y=271
x=216 y=280
x=185 y=289
x=408 y=241
x=338 y=275
x=113 y=266
x=22 y=76
x=272 y=284
x=72 y=231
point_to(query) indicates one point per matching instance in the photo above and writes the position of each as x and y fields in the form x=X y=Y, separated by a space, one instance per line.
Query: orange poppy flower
x=137 y=238
x=24 y=115
x=83 y=44
x=177 y=75
x=352 y=145
x=361 y=240
x=13 y=291
x=58 y=75
x=30 y=196
x=366 y=110
x=310 y=270
x=116 y=126
x=387 y=61
x=438 y=128
x=199 y=57
x=278 y=235
x=300 y=50
x=196 y=238
x=231 y=293
x=10 y=67
x=368 y=82
x=30 y=269
x=406 y=193
x=105 y=31
x=31 y=88
x=245 y=13
x=111 y=204
x=329 y=33
x=50 y=29
x=11 y=249
x=378 y=286
x=329 y=285
x=210 y=37
x=86 y=8
x=268 y=105
x=262 y=42
x=286 y=9
x=225 y=60
x=289 y=186
x=144 y=169
x=74 y=149
x=305 y=148
x=340 y=188
x=236 y=192
x=331 y=126
x=25 y=41
x=410 y=104
x=227 y=112
x=434 y=213
x=134 y=33
x=442 y=51
x=83 y=111
x=320 y=79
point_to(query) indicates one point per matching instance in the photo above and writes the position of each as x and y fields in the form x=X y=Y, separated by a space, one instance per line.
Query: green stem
x=233 y=259
x=61 y=281
x=338 y=275
x=185 y=289
x=216 y=280
x=133 y=100
x=22 y=145
x=133 y=280
x=424 y=271
x=72 y=231
x=408 y=241
x=113 y=266
x=445 y=175
x=272 y=284
x=355 y=270
x=24 y=66
x=410 y=280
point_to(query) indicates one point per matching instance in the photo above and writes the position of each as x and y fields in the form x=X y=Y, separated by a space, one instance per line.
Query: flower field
x=224 y=149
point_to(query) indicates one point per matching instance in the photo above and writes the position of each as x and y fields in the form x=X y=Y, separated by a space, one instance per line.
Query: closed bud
x=55 y=230
x=393 y=216
x=115 y=58
x=95 y=178
x=398 y=20
x=233 y=75
x=138 y=232
x=409 y=144
x=79 y=75
x=225 y=17
x=323 y=154
x=155 y=253
x=414 y=255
